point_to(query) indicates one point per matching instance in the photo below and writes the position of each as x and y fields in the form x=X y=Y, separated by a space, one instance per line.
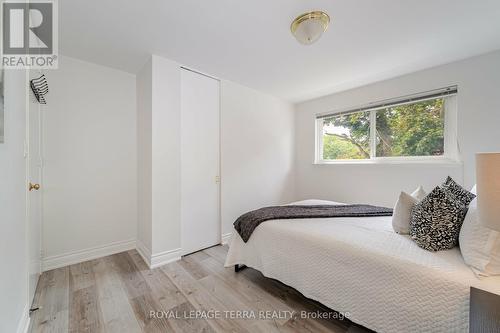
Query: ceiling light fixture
x=308 y=27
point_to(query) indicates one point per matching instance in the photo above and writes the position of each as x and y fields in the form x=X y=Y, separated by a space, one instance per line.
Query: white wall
x=256 y=155
x=144 y=160
x=257 y=148
x=90 y=178
x=112 y=162
x=13 y=236
x=158 y=100
x=166 y=135
x=478 y=81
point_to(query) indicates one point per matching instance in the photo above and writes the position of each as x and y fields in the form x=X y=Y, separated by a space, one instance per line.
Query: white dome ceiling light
x=308 y=27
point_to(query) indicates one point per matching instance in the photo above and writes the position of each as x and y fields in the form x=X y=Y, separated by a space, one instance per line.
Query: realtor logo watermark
x=29 y=34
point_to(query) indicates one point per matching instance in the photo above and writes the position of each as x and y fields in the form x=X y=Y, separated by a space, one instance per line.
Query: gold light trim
x=316 y=15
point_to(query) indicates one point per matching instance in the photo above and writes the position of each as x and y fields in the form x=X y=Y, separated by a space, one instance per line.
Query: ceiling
x=249 y=42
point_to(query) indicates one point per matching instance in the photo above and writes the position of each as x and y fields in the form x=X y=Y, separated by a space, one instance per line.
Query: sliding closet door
x=200 y=222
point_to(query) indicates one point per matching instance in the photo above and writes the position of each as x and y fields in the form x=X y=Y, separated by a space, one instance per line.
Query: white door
x=34 y=193
x=200 y=222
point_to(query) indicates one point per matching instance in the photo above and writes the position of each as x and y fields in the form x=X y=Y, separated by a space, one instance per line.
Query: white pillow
x=419 y=193
x=480 y=246
x=474 y=190
x=402 y=210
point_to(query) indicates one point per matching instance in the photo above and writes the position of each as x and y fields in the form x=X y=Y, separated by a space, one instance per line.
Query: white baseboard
x=144 y=251
x=75 y=257
x=152 y=260
x=157 y=259
x=163 y=258
x=226 y=238
x=24 y=322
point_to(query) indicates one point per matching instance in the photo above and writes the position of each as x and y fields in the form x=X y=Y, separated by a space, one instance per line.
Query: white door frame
x=33 y=106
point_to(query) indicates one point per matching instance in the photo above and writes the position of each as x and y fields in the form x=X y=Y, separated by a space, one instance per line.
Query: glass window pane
x=411 y=130
x=347 y=137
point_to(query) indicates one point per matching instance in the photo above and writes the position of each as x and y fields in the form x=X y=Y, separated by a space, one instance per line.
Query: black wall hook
x=40 y=87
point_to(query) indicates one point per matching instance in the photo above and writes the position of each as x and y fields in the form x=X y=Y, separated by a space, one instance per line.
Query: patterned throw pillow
x=458 y=192
x=435 y=221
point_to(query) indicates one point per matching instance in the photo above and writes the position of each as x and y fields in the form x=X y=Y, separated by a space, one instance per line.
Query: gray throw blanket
x=246 y=223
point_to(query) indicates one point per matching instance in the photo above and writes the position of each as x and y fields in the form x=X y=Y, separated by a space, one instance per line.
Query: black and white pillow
x=458 y=192
x=435 y=221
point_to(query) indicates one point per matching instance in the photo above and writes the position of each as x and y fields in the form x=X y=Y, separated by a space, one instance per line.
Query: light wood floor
x=117 y=293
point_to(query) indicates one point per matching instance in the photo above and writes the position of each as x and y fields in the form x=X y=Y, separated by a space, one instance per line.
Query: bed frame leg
x=238 y=268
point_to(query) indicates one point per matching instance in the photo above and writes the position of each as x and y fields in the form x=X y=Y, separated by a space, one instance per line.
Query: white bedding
x=361 y=266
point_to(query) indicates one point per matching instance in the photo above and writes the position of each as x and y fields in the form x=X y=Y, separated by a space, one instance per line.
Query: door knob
x=35 y=187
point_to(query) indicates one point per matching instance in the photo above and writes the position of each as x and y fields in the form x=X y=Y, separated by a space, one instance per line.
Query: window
x=346 y=136
x=419 y=127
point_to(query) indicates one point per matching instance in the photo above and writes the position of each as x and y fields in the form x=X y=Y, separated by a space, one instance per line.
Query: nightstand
x=484 y=315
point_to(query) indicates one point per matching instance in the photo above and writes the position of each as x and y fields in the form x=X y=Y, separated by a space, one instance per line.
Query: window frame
x=451 y=153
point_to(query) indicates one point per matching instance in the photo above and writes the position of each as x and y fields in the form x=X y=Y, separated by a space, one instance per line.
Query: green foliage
x=335 y=148
x=411 y=130
x=406 y=130
x=358 y=136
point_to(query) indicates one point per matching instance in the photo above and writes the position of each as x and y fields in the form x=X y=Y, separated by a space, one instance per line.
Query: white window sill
x=404 y=161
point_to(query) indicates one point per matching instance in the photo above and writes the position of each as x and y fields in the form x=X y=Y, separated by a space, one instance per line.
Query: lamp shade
x=488 y=189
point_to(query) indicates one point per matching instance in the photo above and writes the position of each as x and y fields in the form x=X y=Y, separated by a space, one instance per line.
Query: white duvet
x=361 y=266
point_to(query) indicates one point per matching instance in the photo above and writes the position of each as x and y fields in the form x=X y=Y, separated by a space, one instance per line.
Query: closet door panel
x=199 y=162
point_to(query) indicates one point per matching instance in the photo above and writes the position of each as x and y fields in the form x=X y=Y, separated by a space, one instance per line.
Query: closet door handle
x=35 y=187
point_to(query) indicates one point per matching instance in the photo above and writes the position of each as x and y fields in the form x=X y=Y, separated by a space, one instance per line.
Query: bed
x=361 y=267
